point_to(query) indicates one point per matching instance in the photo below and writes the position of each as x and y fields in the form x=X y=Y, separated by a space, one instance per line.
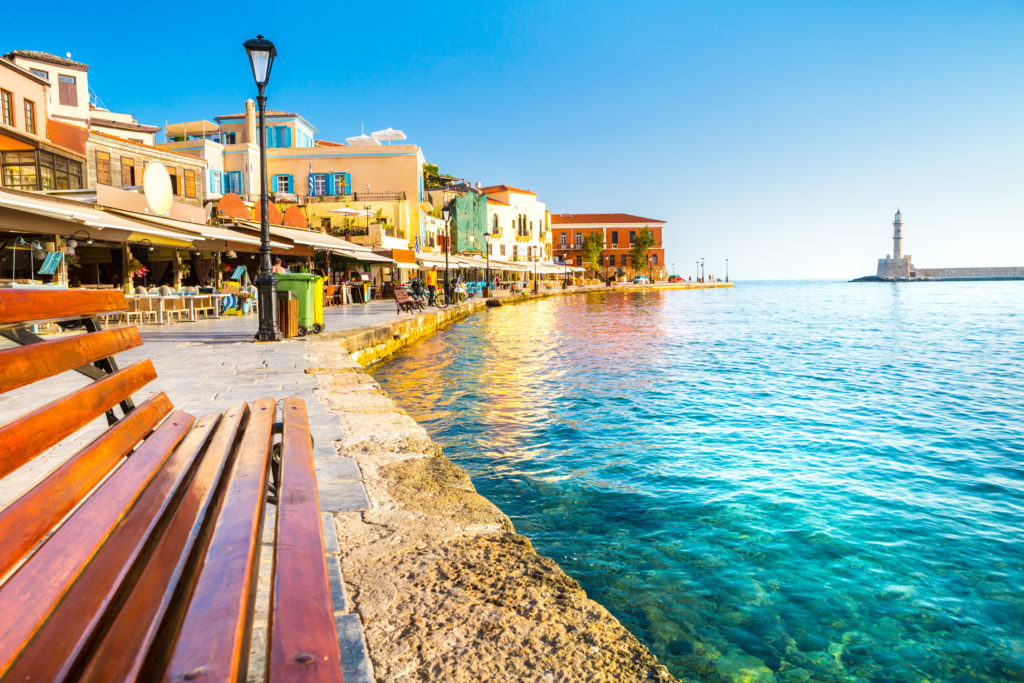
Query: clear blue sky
x=780 y=135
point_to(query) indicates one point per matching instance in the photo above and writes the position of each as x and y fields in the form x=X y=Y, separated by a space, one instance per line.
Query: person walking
x=431 y=283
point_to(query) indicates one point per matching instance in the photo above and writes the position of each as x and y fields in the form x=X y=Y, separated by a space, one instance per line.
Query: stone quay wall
x=1009 y=272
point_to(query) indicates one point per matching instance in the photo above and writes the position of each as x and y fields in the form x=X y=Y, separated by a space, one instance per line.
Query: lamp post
x=487 y=255
x=726 y=270
x=261 y=58
x=702 y=269
x=367 y=212
x=447 y=246
x=536 y=285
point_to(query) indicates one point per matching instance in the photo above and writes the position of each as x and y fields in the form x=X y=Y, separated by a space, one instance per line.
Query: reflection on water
x=820 y=481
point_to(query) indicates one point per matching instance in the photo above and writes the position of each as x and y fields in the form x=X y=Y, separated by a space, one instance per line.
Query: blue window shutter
x=330 y=183
x=212 y=186
x=291 y=184
x=287 y=136
x=224 y=182
x=273 y=183
x=348 y=183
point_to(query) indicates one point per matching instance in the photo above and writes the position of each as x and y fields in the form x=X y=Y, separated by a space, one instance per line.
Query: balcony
x=379 y=196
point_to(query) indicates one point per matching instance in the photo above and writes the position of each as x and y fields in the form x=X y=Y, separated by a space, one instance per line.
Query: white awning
x=410 y=266
x=310 y=238
x=209 y=232
x=365 y=256
x=84 y=215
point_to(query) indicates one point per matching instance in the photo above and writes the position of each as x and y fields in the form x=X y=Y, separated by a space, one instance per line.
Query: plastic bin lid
x=296 y=276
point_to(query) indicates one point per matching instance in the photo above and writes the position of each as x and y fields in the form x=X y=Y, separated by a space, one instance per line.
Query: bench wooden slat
x=303 y=637
x=136 y=645
x=29 y=305
x=27 y=520
x=214 y=637
x=26 y=364
x=33 y=433
x=92 y=603
x=35 y=588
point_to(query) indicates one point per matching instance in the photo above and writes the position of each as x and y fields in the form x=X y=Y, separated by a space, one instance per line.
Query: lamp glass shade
x=445 y=213
x=72 y=243
x=261 y=57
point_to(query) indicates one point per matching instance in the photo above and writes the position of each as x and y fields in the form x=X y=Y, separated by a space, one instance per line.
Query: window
x=339 y=185
x=40 y=73
x=7 y=107
x=494 y=224
x=30 y=116
x=632 y=236
x=215 y=182
x=19 y=170
x=103 y=168
x=562 y=238
x=190 y=183
x=579 y=260
x=319 y=184
x=229 y=138
x=615 y=239
x=502 y=249
x=127 y=172
x=235 y=182
x=68 y=90
x=623 y=261
x=611 y=259
x=654 y=259
x=579 y=239
x=282 y=184
x=175 y=182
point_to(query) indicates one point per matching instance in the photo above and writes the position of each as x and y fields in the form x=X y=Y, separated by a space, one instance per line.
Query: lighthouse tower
x=896 y=266
x=897 y=236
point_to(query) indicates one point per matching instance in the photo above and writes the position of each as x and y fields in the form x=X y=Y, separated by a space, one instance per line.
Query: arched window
x=494 y=224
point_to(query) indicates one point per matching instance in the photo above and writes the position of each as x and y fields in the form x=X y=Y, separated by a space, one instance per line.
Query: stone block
x=338 y=598
x=355 y=660
x=342 y=496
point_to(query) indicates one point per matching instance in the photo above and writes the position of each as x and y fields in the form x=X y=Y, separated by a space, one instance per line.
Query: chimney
x=478 y=184
x=250 y=122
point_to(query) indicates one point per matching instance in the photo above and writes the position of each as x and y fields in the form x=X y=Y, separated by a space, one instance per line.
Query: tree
x=593 y=247
x=642 y=243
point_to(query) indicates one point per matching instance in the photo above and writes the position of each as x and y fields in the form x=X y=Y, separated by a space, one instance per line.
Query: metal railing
x=378 y=196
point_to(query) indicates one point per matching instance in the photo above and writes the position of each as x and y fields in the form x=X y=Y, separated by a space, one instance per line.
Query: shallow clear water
x=820 y=478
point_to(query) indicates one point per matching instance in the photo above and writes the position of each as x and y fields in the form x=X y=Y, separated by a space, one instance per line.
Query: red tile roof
x=575 y=218
x=197 y=160
x=47 y=57
x=328 y=143
x=504 y=188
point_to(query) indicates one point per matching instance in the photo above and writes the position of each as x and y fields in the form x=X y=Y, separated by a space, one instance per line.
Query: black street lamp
x=702 y=269
x=261 y=57
x=726 y=270
x=447 y=246
x=536 y=286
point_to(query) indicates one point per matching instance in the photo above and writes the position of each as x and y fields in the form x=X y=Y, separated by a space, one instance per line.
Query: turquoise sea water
x=805 y=480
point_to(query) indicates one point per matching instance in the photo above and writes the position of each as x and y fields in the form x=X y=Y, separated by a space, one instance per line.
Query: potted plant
x=245 y=301
x=136 y=270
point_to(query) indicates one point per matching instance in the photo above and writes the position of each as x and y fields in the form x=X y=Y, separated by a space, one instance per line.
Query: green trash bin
x=309 y=289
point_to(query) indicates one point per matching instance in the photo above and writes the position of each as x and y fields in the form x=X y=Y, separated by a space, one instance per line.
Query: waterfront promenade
x=421 y=552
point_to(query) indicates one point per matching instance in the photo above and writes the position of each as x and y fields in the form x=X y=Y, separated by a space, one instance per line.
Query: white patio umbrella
x=389 y=134
x=352 y=212
x=362 y=140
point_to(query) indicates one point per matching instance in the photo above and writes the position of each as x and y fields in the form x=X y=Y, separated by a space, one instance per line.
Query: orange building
x=568 y=230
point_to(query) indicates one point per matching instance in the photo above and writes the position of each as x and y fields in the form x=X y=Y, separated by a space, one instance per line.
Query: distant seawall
x=1000 y=273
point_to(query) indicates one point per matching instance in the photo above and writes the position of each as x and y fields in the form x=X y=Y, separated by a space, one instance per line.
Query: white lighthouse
x=896 y=266
x=897 y=236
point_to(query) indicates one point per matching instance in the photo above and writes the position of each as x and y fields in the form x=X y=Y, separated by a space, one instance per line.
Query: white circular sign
x=156 y=185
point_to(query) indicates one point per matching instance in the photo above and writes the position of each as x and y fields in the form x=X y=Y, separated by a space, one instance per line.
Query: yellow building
x=318 y=175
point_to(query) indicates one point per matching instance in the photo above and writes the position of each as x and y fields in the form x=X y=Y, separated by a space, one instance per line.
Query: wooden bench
x=407 y=303
x=138 y=557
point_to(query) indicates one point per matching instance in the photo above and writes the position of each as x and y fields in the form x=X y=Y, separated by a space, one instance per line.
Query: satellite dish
x=156 y=185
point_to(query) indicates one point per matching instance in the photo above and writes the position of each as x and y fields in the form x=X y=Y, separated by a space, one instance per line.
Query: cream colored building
x=518 y=223
x=70 y=99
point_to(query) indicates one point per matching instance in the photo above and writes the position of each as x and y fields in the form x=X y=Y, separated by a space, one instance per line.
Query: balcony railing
x=379 y=196
x=578 y=247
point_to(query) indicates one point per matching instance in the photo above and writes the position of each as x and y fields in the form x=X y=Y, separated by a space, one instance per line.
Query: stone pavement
x=205 y=367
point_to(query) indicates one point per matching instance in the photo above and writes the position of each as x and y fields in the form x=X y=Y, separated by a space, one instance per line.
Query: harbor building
x=898 y=266
x=569 y=230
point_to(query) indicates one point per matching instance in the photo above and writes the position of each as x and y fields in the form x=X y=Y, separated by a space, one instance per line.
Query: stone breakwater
x=445 y=588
